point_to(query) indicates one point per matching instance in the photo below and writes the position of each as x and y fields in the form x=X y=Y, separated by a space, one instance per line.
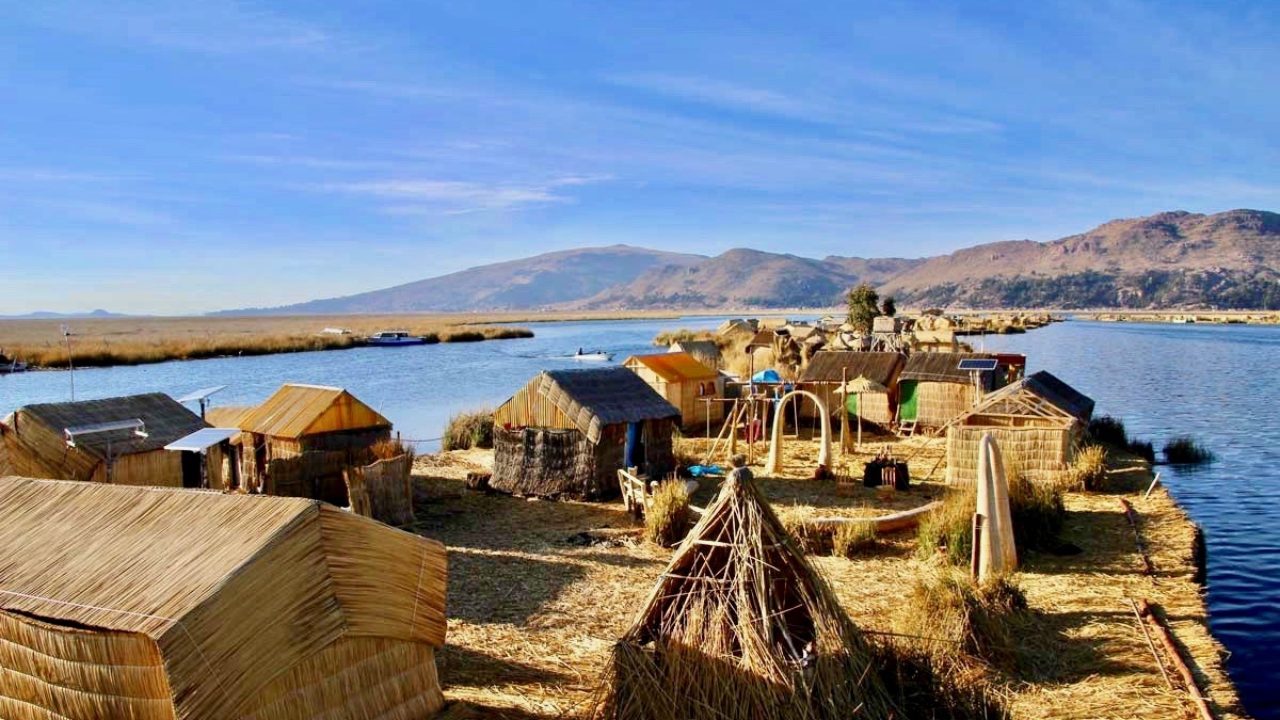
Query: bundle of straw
x=740 y=626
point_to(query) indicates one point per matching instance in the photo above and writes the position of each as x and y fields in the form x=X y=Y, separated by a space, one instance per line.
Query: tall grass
x=392 y=448
x=1186 y=450
x=960 y=622
x=667 y=518
x=850 y=539
x=469 y=429
x=1088 y=471
x=1036 y=508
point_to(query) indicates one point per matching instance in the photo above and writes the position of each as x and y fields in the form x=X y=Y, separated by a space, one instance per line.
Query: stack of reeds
x=740 y=626
x=383 y=490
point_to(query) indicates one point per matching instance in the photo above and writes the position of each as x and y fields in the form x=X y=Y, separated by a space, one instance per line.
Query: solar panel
x=978 y=364
x=201 y=394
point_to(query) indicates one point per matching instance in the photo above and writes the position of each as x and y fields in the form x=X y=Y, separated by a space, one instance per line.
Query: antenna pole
x=66 y=334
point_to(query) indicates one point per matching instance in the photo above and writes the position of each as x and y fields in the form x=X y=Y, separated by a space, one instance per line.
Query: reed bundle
x=740 y=626
x=383 y=490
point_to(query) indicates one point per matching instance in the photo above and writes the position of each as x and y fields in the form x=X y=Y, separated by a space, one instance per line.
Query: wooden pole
x=844 y=410
x=1132 y=517
x=1179 y=663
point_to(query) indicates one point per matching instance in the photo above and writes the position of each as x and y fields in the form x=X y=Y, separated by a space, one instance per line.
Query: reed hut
x=829 y=369
x=691 y=386
x=162 y=604
x=706 y=351
x=568 y=432
x=324 y=429
x=118 y=440
x=1038 y=423
x=741 y=626
x=933 y=390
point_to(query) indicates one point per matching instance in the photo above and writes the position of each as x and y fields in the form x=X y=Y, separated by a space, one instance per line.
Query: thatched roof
x=740 y=625
x=674 y=367
x=836 y=366
x=232 y=588
x=597 y=397
x=298 y=410
x=1039 y=395
x=165 y=419
x=1053 y=389
x=702 y=349
x=940 y=367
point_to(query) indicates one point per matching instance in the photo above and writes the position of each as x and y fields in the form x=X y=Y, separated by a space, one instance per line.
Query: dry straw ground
x=539 y=591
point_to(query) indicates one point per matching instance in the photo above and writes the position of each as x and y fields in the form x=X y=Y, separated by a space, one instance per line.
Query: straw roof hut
x=827 y=370
x=568 y=432
x=932 y=390
x=706 y=351
x=685 y=382
x=328 y=424
x=741 y=626
x=160 y=604
x=1038 y=422
x=33 y=442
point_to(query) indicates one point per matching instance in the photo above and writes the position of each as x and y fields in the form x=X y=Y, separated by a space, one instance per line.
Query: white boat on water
x=394 y=338
x=593 y=356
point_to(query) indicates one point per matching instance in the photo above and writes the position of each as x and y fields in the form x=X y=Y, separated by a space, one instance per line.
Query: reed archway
x=775 y=443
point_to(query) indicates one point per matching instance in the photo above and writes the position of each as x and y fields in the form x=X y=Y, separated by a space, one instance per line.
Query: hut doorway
x=192 y=469
x=779 y=418
x=908 y=406
x=633 y=452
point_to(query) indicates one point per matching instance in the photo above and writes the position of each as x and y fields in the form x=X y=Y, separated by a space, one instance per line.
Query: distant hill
x=536 y=282
x=48 y=315
x=1229 y=260
x=744 y=278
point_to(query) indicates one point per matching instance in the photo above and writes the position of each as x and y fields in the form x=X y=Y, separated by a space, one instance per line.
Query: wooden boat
x=593 y=356
x=394 y=338
x=13 y=366
x=893 y=522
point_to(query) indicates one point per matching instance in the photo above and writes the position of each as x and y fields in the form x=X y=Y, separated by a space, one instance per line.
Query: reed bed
x=98 y=342
x=851 y=539
x=1110 y=431
x=1037 y=509
x=1186 y=450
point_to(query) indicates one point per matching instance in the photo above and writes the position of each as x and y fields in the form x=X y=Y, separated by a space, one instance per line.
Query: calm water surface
x=1219 y=383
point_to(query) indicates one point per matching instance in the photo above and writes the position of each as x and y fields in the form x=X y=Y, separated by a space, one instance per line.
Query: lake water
x=1215 y=382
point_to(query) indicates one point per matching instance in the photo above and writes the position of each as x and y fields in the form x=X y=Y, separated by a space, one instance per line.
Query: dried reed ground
x=532 y=617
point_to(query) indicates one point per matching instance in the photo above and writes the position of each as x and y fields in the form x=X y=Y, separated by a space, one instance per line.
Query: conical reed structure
x=740 y=627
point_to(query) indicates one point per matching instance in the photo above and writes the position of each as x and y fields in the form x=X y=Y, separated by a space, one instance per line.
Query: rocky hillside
x=744 y=278
x=1230 y=260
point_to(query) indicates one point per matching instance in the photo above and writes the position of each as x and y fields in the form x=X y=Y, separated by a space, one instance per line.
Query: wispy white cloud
x=453 y=197
x=44 y=175
x=724 y=94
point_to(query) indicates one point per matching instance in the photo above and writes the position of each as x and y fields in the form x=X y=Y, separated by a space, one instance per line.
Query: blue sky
x=171 y=158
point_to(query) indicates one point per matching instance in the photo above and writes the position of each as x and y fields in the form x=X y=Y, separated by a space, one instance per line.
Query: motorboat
x=395 y=338
x=593 y=356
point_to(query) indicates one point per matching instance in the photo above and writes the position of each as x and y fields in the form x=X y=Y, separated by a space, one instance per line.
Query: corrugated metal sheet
x=674 y=367
x=298 y=410
x=943 y=367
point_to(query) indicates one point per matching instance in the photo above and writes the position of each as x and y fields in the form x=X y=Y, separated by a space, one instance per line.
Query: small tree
x=888 y=306
x=863 y=301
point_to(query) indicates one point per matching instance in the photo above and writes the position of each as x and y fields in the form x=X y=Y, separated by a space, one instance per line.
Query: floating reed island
x=833 y=554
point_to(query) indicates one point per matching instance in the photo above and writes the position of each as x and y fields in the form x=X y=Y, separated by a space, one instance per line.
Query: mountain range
x=1228 y=260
